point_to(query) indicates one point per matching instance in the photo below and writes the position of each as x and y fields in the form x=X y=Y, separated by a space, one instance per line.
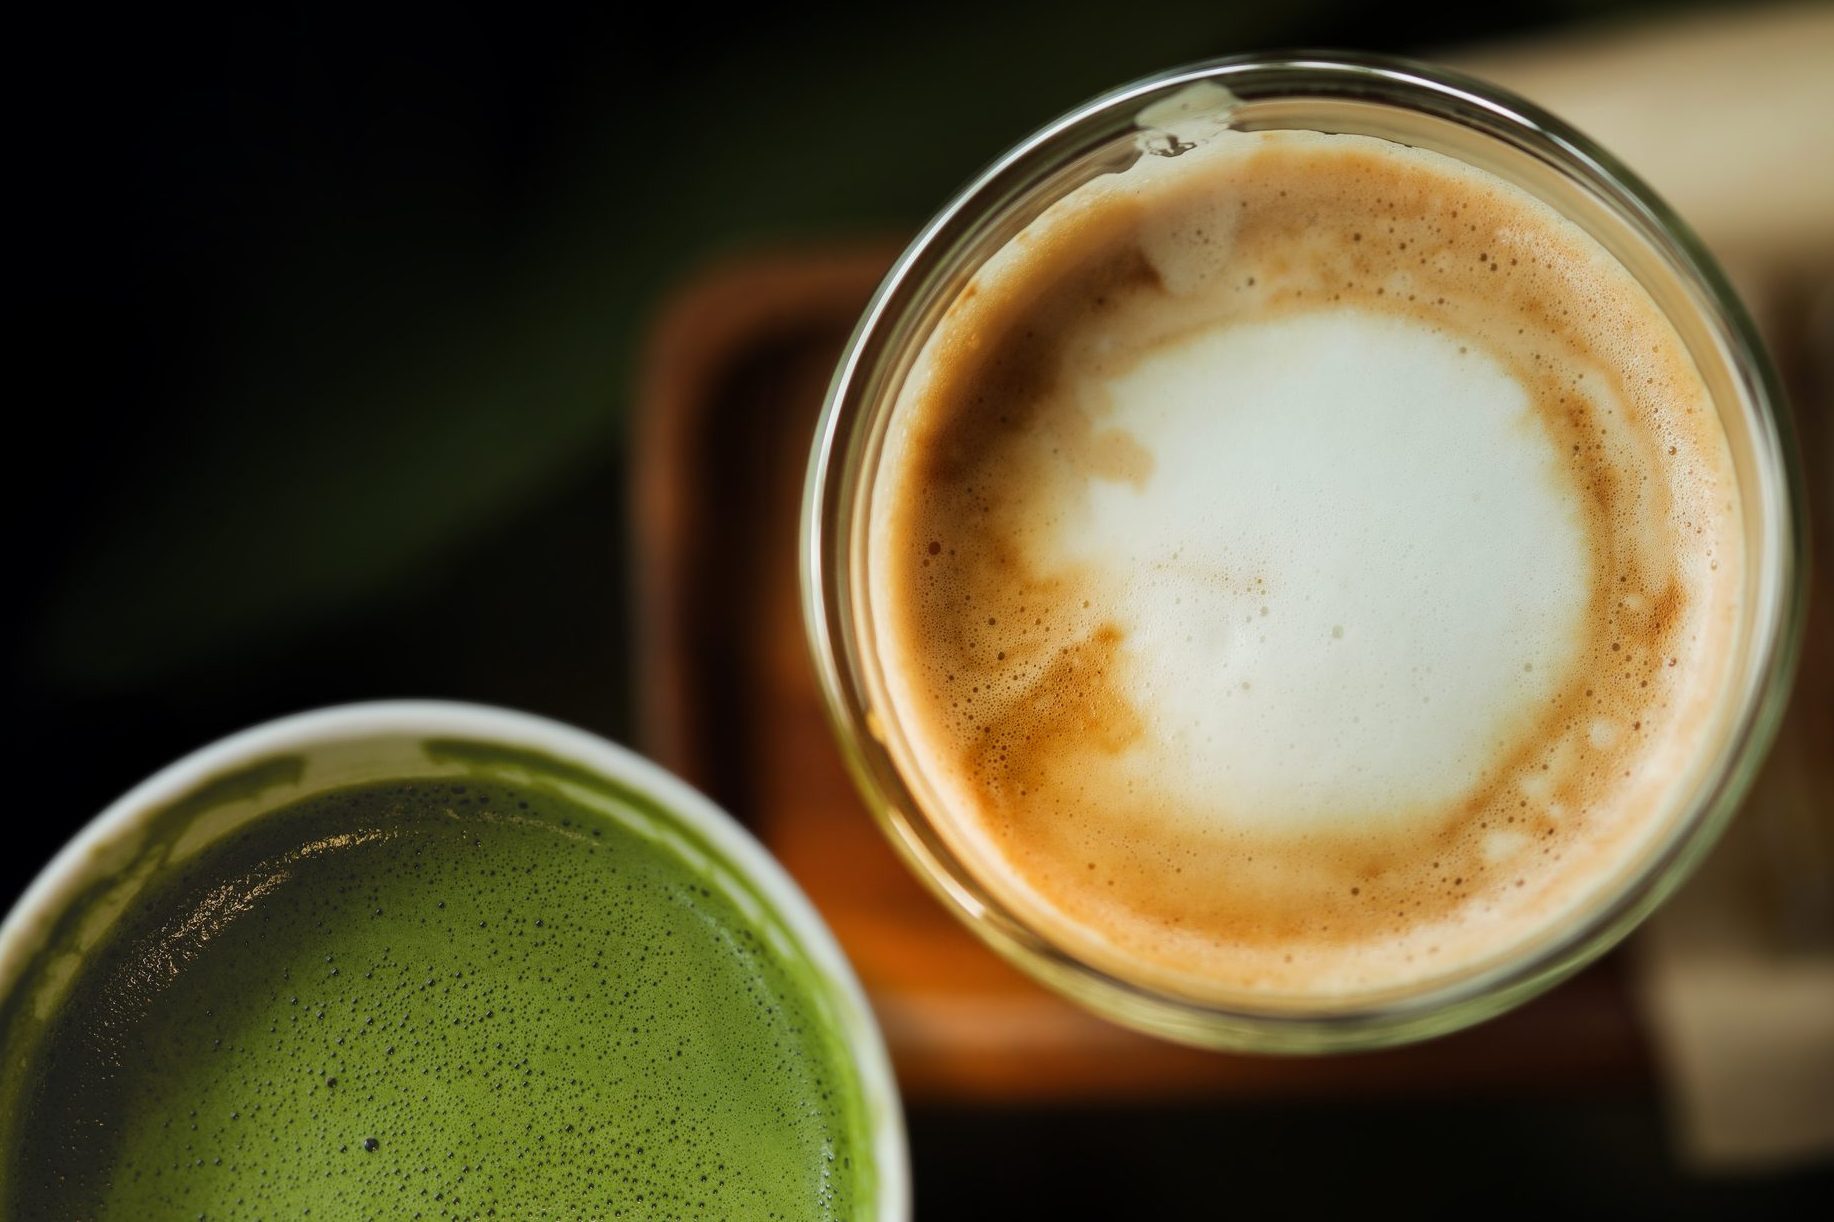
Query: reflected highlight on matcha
x=446 y=997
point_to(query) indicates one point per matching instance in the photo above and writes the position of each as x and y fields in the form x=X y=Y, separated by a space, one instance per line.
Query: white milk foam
x=1302 y=571
x=1295 y=627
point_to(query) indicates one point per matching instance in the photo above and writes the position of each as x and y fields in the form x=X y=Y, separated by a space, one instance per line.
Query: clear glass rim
x=829 y=528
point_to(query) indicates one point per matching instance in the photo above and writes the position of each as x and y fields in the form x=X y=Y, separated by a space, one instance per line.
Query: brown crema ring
x=1007 y=674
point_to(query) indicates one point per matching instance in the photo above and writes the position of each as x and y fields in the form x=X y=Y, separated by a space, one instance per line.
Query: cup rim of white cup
x=62 y=880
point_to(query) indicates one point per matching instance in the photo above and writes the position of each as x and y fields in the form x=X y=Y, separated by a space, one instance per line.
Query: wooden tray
x=737 y=368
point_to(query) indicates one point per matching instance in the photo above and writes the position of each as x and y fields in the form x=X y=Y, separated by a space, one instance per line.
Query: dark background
x=325 y=335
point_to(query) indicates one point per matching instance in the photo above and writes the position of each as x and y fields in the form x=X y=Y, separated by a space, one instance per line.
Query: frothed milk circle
x=1302 y=569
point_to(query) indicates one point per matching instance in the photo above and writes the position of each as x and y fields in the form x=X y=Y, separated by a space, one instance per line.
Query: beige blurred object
x=1731 y=118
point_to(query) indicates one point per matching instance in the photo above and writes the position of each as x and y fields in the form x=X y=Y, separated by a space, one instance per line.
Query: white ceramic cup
x=216 y=790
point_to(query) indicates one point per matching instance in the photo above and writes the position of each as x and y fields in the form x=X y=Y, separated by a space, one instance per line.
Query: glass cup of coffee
x=1304 y=553
x=408 y=958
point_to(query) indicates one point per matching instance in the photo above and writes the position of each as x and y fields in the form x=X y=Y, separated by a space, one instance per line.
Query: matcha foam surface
x=440 y=1000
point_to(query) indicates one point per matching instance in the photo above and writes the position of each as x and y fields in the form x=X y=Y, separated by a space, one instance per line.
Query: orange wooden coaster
x=736 y=370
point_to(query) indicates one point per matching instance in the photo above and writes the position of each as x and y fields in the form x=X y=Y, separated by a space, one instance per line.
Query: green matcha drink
x=443 y=997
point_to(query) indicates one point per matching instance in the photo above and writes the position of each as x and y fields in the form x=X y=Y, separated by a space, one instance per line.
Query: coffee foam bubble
x=1302 y=568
